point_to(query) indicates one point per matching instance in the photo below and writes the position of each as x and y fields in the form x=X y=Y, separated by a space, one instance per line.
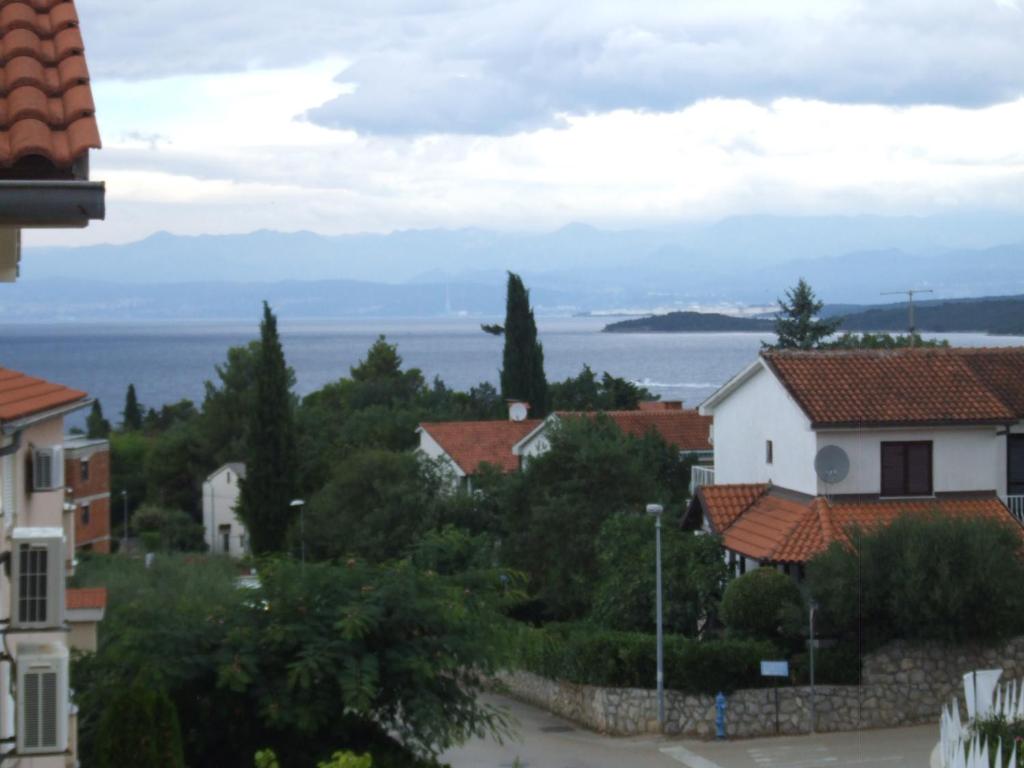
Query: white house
x=225 y=532
x=808 y=443
x=37 y=718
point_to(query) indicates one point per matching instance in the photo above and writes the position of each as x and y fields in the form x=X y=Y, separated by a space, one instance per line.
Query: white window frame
x=48 y=586
x=33 y=665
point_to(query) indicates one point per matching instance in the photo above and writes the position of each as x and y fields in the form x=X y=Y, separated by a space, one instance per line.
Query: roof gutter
x=16 y=425
x=51 y=203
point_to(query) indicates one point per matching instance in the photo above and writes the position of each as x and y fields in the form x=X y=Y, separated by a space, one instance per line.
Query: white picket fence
x=985 y=698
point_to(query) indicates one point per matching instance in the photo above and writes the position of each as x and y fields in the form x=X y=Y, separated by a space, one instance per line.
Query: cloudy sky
x=373 y=115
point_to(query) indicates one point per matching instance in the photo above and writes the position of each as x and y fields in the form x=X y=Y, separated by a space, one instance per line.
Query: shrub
x=924 y=578
x=764 y=604
x=139 y=726
x=168 y=529
x=839 y=665
x=591 y=656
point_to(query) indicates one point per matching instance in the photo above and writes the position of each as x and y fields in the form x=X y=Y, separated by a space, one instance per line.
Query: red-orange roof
x=46 y=104
x=85 y=598
x=906 y=387
x=22 y=395
x=472 y=443
x=782 y=527
x=684 y=428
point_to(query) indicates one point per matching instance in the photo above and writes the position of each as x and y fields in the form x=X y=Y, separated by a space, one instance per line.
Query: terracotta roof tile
x=472 y=443
x=775 y=526
x=46 y=104
x=921 y=386
x=85 y=598
x=22 y=395
x=684 y=428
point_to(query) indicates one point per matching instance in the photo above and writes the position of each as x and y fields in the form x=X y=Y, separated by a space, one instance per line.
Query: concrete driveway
x=546 y=741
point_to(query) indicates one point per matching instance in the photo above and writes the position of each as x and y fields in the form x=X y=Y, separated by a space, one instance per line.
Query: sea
x=171 y=360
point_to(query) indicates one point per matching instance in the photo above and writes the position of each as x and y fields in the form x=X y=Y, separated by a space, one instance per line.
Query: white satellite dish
x=832 y=464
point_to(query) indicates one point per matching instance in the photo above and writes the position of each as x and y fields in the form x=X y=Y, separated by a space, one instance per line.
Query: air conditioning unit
x=48 y=468
x=37 y=578
x=42 y=699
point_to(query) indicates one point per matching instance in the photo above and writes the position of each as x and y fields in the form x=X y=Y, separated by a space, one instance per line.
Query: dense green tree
x=131 y=416
x=882 y=341
x=585 y=392
x=624 y=596
x=928 y=577
x=139 y=726
x=164 y=529
x=270 y=454
x=797 y=324
x=522 y=370
x=175 y=467
x=764 y=604
x=128 y=452
x=95 y=425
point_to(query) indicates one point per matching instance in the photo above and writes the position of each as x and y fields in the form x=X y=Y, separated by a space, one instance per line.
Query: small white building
x=225 y=532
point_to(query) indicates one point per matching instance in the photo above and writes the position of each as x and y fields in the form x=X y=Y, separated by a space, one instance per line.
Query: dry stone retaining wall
x=902 y=684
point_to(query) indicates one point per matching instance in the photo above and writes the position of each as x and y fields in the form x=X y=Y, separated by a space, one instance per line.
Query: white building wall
x=220 y=498
x=758 y=411
x=431 y=449
x=963 y=458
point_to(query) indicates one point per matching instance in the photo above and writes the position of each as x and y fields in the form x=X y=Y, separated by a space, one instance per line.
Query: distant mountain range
x=746 y=261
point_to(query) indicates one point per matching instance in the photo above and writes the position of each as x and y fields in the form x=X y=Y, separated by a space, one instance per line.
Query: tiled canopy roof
x=782 y=527
x=46 y=105
x=22 y=395
x=85 y=598
x=684 y=428
x=472 y=443
x=906 y=387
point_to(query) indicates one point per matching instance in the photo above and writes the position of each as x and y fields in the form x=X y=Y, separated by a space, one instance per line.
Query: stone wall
x=901 y=685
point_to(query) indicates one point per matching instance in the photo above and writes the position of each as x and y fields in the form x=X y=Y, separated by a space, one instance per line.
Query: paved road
x=545 y=741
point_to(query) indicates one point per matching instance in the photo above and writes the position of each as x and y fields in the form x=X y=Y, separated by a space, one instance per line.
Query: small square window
x=768 y=451
x=85 y=514
x=83 y=471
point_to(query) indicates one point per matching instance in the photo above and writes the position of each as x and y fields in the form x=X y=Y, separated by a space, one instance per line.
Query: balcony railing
x=1016 y=505
x=703 y=476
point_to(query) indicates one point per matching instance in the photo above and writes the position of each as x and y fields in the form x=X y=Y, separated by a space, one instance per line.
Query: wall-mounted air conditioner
x=42 y=699
x=48 y=468
x=37 y=578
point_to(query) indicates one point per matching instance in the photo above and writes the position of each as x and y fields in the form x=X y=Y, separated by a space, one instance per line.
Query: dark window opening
x=768 y=451
x=1015 y=465
x=907 y=468
x=84 y=469
x=85 y=514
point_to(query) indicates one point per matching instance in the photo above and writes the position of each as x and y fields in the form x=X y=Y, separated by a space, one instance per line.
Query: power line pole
x=909 y=293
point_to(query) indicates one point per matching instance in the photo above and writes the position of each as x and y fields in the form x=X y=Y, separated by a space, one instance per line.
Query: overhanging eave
x=54 y=203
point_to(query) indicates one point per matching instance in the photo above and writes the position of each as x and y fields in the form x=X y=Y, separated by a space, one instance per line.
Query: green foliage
x=924 y=577
x=95 y=425
x=583 y=654
x=797 y=324
x=270 y=453
x=693 y=577
x=882 y=341
x=169 y=416
x=170 y=529
x=586 y=392
x=128 y=452
x=139 y=726
x=175 y=467
x=131 y=416
x=998 y=729
x=522 y=370
x=764 y=604
x=836 y=665
x=376 y=504
x=266 y=758
x=347 y=760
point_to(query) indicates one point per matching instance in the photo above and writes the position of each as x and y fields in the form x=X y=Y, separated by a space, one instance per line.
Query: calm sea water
x=168 y=361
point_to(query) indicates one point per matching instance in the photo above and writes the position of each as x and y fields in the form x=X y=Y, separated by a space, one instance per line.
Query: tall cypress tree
x=797 y=323
x=131 y=416
x=522 y=371
x=95 y=424
x=270 y=453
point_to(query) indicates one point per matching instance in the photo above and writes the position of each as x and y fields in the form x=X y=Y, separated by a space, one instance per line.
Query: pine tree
x=95 y=425
x=131 y=416
x=797 y=324
x=270 y=452
x=522 y=372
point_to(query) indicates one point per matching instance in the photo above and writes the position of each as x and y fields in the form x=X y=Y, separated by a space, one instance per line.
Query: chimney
x=517 y=410
x=661 y=405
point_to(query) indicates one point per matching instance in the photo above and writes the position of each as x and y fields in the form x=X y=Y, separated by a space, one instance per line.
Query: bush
x=923 y=578
x=839 y=665
x=591 y=656
x=763 y=604
x=166 y=529
x=139 y=726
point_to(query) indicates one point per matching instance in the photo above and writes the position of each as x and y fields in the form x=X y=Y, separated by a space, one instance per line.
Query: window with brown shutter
x=907 y=468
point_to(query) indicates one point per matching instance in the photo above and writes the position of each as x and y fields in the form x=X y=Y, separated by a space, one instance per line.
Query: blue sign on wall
x=774 y=669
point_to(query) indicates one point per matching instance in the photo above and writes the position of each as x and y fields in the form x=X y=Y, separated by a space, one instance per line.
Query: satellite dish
x=518 y=411
x=832 y=464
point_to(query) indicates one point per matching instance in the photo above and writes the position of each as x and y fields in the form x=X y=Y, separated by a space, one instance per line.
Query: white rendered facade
x=225 y=532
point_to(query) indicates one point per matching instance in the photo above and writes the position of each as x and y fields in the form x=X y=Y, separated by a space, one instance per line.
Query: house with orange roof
x=37 y=547
x=810 y=444
x=84 y=609
x=47 y=125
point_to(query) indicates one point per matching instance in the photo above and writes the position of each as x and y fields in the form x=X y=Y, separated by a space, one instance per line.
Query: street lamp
x=656 y=510
x=300 y=503
x=814 y=607
x=124 y=506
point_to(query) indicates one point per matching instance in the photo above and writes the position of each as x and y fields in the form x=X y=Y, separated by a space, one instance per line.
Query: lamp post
x=300 y=503
x=814 y=607
x=124 y=507
x=656 y=510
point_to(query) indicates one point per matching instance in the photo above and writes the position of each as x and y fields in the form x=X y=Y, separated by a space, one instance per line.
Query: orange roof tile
x=22 y=395
x=781 y=527
x=46 y=104
x=684 y=428
x=909 y=386
x=85 y=598
x=472 y=443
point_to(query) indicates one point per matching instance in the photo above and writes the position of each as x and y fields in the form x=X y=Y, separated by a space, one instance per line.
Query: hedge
x=587 y=655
